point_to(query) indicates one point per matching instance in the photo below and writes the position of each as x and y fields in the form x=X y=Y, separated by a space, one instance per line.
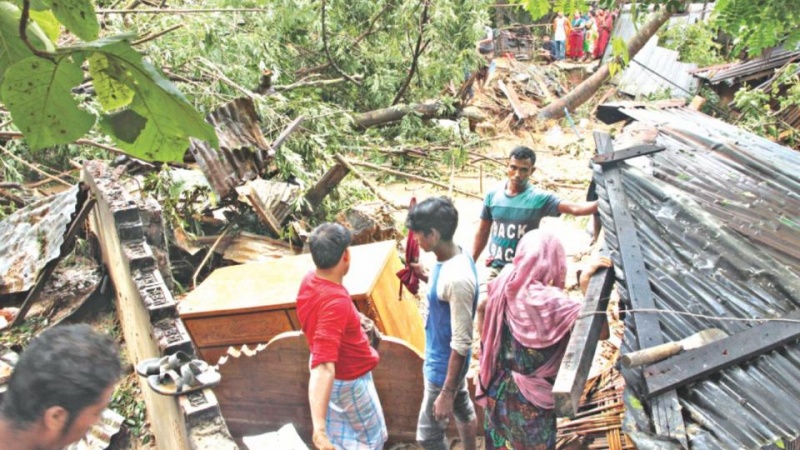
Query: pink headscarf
x=528 y=296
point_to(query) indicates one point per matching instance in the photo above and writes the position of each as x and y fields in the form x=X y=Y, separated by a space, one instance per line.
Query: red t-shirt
x=332 y=327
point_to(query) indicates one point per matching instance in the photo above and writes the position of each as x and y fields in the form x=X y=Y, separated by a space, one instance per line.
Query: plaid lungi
x=355 y=417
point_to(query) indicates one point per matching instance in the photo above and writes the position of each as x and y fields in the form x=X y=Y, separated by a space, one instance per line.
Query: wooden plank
x=702 y=362
x=574 y=370
x=665 y=409
x=627 y=153
x=513 y=99
x=238 y=329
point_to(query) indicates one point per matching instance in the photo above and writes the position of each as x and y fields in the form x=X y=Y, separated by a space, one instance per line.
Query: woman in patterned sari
x=524 y=336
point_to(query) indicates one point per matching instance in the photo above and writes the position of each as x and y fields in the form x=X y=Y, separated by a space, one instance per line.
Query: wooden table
x=252 y=303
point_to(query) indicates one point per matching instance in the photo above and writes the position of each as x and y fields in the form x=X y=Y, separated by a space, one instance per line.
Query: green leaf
x=78 y=16
x=12 y=49
x=37 y=93
x=165 y=119
x=105 y=72
x=48 y=23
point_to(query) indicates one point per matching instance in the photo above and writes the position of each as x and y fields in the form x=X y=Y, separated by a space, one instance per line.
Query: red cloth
x=408 y=278
x=575 y=44
x=332 y=327
x=604 y=25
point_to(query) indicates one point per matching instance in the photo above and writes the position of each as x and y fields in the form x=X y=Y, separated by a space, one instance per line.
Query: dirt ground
x=562 y=170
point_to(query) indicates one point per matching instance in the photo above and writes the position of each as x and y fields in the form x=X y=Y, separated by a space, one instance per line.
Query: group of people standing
x=584 y=37
x=524 y=324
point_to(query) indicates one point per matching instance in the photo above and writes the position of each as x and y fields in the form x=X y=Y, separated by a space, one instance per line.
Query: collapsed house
x=703 y=234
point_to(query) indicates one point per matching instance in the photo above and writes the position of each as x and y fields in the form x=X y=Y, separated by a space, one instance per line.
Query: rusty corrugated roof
x=760 y=67
x=717 y=215
x=243 y=149
x=32 y=237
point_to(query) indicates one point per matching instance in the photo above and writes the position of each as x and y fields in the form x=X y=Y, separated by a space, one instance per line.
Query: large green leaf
x=12 y=49
x=167 y=118
x=48 y=22
x=77 y=15
x=111 y=93
x=37 y=93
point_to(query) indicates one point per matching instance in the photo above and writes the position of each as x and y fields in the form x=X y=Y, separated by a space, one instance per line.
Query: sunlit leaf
x=167 y=118
x=37 y=93
x=111 y=93
x=48 y=23
x=78 y=16
x=12 y=49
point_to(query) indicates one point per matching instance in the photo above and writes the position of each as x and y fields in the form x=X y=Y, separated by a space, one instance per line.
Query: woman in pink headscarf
x=528 y=318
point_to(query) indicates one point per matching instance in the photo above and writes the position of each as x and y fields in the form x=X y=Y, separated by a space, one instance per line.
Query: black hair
x=69 y=366
x=435 y=212
x=522 y=152
x=328 y=243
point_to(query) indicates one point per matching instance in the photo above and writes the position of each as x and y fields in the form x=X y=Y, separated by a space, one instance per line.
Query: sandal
x=192 y=378
x=157 y=366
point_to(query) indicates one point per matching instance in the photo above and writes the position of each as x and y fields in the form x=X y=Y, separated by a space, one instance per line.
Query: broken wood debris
x=272 y=201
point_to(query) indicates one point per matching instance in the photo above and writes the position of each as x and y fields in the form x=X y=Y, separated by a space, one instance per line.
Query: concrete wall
x=147 y=313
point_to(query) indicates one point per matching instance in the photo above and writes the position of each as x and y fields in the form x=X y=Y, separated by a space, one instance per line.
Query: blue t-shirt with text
x=512 y=217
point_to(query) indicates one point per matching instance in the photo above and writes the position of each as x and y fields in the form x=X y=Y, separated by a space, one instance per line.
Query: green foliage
x=757 y=25
x=37 y=92
x=760 y=110
x=77 y=16
x=12 y=48
x=693 y=42
x=146 y=115
x=536 y=8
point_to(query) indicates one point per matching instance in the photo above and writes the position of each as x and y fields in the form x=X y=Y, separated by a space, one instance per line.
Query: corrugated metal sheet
x=243 y=153
x=654 y=68
x=32 y=237
x=718 y=218
x=755 y=68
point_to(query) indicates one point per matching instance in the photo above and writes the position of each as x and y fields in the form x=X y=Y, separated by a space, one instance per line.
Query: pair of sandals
x=177 y=374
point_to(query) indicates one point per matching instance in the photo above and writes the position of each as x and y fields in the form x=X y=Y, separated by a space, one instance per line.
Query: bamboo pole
x=414 y=177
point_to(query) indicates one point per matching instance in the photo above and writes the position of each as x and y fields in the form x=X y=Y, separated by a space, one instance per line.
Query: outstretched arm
x=481 y=239
x=577 y=208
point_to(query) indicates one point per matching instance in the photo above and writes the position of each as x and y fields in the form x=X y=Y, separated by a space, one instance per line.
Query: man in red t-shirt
x=345 y=410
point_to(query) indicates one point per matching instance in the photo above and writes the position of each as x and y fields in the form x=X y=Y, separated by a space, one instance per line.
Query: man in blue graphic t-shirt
x=516 y=208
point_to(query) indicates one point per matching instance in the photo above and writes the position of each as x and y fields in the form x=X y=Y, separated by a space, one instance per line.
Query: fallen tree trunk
x=589 y=86
x=428 y=110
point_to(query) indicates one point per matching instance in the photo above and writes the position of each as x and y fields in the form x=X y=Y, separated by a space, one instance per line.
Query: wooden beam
x=513 y=99
x=632 y=152
x=702 y=362
x=577 y=361
x=665 y=409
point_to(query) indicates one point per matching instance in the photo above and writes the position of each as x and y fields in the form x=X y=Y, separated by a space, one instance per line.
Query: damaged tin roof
x=654 y=68
x=32 y=237
x=243 y=150
x=760 y=67
x=717 y=215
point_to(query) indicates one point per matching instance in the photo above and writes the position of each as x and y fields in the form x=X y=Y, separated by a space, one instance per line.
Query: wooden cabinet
x=252 y=303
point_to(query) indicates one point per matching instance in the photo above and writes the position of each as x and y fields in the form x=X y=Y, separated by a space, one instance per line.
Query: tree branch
x=310 y=83
x=328 y=52
x=356 y=42
x=157 y=35
x=417 y=52
x=23 y=25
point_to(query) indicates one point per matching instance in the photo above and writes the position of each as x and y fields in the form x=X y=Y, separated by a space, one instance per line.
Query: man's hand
x=443 y=405
x=321 y=441
x=419 y=271
x=587 y=274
